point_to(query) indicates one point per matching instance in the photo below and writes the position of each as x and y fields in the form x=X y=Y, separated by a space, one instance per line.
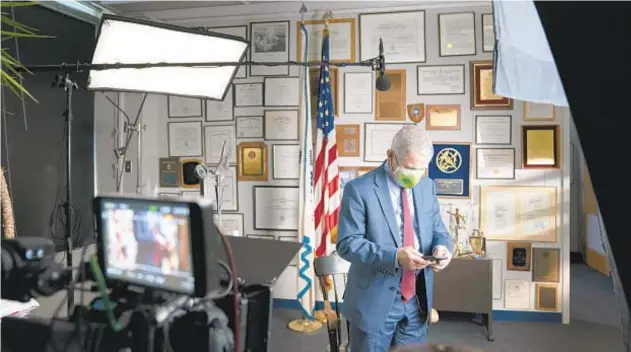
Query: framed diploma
x=250 y=127
x=183 y=107
x=281 y=125
x=314 y=89
x=494 y=130
x=269 y=43
x=518 y=256
x=214 y=138
x=230 y=197
x=220 y=110
x=488 y=33
x=538 y=112
x=540 y=147
x=517 y=294
x=231 y=224
x=482 y=96
x=248 y=94
x=282 y=91
x=378 y=139
x=358 y=92
x=450 y=168
x=513 y=213
x=456 y=33
x=495 y=164
x=341 y=40
x=403 y=35
x=252 y=161
x=442 y=117
x=347 y=140
x=185 y=138
x=391 y=103
x=440 y=80
x=286 y=161
x=276 y=208
x=237 y=31
x=547 y=297
x=546 y=264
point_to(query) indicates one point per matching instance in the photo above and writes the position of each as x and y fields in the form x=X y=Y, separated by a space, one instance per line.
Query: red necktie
x=408 y=281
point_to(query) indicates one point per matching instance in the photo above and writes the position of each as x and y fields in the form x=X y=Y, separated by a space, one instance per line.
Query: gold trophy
x=478 y=243
x=458 y=224
x=416 y=112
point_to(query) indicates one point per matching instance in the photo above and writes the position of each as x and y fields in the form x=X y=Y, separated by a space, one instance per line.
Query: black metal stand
x=65 y=81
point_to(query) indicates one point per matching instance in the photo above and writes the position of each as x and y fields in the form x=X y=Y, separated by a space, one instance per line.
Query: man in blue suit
x=389 y=220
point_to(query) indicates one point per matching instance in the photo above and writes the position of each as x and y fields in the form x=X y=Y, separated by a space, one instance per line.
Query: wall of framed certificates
x=441 y=73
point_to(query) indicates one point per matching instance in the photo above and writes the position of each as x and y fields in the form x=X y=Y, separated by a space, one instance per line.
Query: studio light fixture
x=133 y=41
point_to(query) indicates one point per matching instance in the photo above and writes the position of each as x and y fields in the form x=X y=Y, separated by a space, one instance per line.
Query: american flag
x=326 y=175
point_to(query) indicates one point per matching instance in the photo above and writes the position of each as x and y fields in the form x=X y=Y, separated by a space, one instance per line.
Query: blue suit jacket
x=368 y=238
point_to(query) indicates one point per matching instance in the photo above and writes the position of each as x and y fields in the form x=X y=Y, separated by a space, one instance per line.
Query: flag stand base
x=304 y=325
x=320 y=316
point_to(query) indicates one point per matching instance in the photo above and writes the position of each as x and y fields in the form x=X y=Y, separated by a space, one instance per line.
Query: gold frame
x=549 y=119
x=549 y=235
x=509 y=255
x=503 y=104
x=538 y=288
x=181 y=172
x=341 y=137
x=557 y=146
x=428 y=117
x=322 y=22
x=241 y=176
x=546 y=277
x=391 y=96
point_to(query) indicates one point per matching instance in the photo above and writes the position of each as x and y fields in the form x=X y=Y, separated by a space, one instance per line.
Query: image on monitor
x=147 y=243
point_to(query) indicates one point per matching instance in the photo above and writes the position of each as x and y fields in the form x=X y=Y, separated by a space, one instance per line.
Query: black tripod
x=65 y=81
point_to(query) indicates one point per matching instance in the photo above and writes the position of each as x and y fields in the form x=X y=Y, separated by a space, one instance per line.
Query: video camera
x=166 y=280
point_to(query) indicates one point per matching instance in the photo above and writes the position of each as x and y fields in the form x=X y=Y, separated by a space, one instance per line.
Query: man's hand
x=410 y=259
x=441 y=252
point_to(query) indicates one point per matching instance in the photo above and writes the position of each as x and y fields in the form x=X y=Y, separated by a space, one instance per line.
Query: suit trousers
x=404 y=325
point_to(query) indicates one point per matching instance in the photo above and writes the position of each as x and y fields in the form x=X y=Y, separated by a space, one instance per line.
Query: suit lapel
x=383 y=194
x=417 y=193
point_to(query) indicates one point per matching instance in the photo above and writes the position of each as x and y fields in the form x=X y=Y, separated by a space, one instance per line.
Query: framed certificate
x=495 y=164
x=546 y=264
x=341 y=40
x=286 y=161
x=250 y=127
x=440 y=80
x=456 y=32
x=282 y=91
x=248 y=94
x=482 y=96
x=347 y=140
x=231 y=224
x=276 y=208
x=252 y=161
x=237 y=31
x=391 y=103
x=547 y=297
x=540 y=147
x=378 y=139
x=185 y=138
x=269 y=42
x=494 y=130
x=358 y=92
x=183 y=107
x=488 y=33
x=220 y=110
x=281 y=125
x=403 y=35
x=538 y=112
x=214 y=138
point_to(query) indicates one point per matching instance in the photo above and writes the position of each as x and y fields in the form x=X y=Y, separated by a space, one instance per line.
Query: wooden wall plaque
x=391 y=104
x=347 y=140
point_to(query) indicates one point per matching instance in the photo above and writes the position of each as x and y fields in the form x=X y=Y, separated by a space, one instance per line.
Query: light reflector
x=132 y=41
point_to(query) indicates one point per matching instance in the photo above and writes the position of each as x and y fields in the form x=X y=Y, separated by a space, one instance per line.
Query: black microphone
x=383 y=83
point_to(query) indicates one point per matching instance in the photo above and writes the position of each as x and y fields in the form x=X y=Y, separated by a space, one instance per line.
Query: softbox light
x=524 y=66
x=124 y=40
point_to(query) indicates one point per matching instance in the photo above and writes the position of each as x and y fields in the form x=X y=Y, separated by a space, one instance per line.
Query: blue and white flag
x=306 y=232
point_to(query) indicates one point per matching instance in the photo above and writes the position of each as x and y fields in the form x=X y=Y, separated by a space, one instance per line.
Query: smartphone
x=431 y=258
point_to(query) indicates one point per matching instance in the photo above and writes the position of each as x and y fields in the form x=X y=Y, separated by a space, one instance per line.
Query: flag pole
x=305 y=297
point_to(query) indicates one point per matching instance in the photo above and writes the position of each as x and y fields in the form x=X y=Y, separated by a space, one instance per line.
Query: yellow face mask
x=408 y=178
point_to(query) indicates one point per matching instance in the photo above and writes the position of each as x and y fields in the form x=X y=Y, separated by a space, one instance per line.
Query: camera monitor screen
x=147 y=242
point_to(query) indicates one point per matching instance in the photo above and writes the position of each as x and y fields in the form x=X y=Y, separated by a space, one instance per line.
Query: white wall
x=155 y=117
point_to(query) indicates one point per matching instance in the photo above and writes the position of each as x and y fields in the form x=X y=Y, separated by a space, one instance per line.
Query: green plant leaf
x=21 y=35
x=17 y=3
x=6 y=20
x=15 y=85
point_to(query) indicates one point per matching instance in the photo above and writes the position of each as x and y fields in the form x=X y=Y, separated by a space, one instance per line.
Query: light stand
x=218 y=174
x=65 y=81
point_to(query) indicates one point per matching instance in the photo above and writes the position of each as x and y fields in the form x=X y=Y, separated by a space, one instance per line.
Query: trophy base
x=304 y=325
